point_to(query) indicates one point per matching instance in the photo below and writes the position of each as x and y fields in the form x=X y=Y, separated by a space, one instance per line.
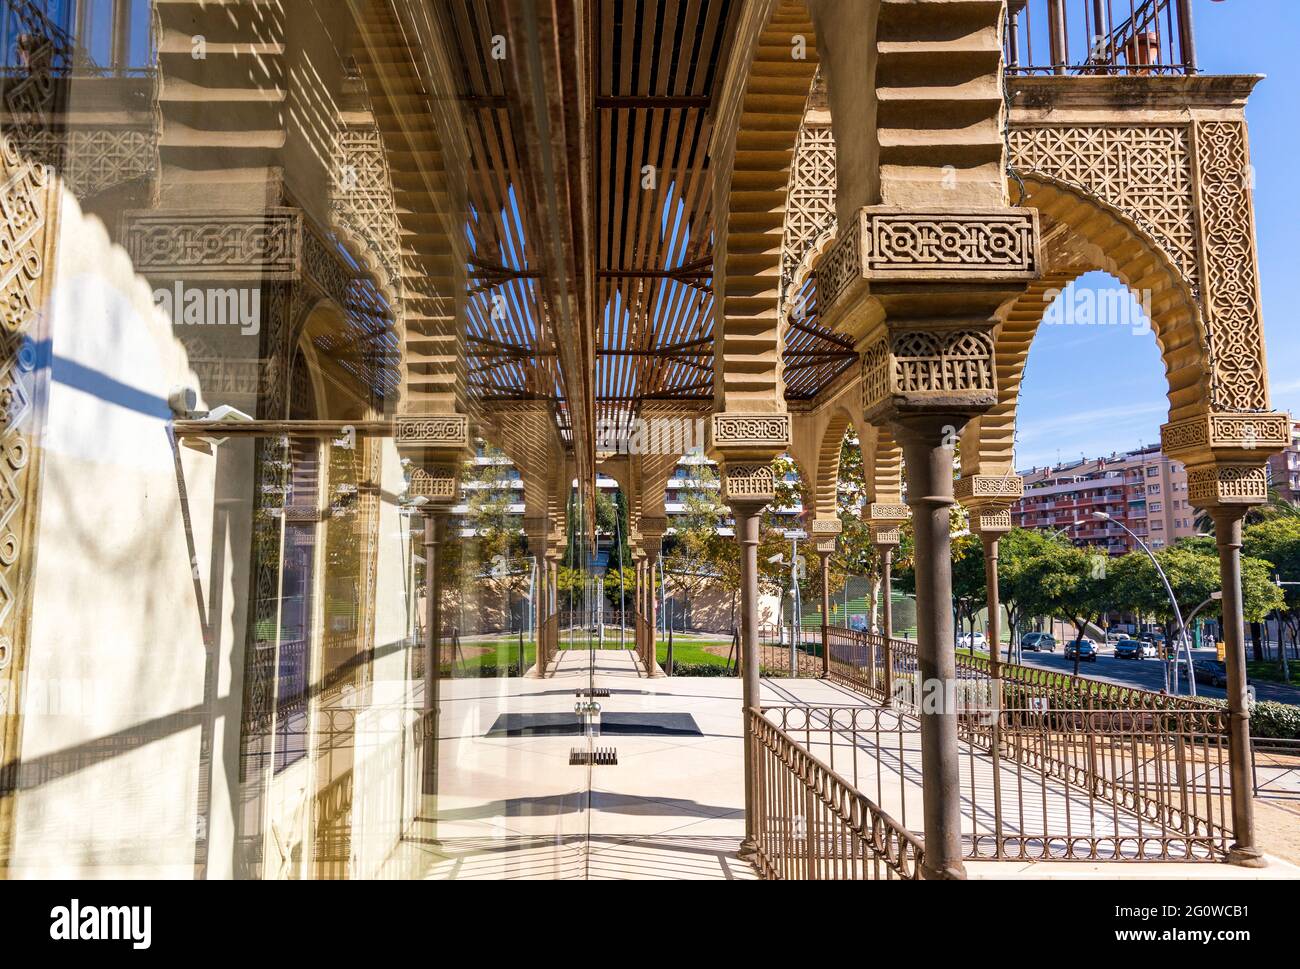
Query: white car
x=964 y=641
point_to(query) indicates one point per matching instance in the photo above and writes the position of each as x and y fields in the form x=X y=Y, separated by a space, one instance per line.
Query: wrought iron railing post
x=1056 y=35
x=1187 y=36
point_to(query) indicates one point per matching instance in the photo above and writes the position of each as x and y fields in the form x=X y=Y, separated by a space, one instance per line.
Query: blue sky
x=1097 y=389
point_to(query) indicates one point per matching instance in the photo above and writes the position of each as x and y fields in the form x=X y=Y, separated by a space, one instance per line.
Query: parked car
x=1134 y=649
x=1035 y=642
x=1085 y=648
x=1210 y=671
x=1115 y=636
x=964 y=641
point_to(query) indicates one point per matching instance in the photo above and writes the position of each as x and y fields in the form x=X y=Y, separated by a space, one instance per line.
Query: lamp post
x=1169 y=591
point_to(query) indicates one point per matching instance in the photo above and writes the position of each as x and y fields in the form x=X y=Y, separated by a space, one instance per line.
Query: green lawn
x=1272 y=672
x=690 y=650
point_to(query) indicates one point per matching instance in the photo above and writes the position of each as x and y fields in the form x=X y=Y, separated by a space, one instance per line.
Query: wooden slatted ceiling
x=657 y=63
x=814 y=356
x=509 y=344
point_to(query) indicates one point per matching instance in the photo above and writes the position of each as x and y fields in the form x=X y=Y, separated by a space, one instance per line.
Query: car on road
x=964 y=641
x=1036 y=642
x=1085 y=648
x=1210 y=671
x=1134 y=649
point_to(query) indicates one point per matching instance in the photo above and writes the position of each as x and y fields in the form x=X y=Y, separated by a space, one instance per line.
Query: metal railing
x=1100 y=37
x=813 y=824
x=1045 y=784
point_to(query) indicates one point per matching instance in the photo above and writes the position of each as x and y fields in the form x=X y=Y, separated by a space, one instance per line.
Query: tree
x=1276 y=542
x=1068 y=582
x=1016 y=553
x=969 y=590
x=695 y=555
x=498 y=534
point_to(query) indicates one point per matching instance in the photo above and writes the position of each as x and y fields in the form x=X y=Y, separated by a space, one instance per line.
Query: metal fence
x=1045 y=785
x=1100 y=37
x=813 y=824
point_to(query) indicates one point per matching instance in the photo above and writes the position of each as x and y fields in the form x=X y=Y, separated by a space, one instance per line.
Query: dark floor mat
x=611 y=725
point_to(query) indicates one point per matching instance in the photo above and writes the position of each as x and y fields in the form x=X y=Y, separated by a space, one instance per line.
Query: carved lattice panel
x=1145 y=172
x=810 y=204
x=1232 y=280
x=363 y=201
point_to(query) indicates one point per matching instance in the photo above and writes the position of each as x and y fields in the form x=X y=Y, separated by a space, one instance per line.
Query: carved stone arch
x=765 y=95
x=827 y=479
x=1081 y=233
x=882 y=466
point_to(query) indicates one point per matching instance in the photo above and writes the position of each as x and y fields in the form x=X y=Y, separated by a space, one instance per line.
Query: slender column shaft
x=651 y=612
x=826 y=613
x=991 y=541
x=433 y=522
x=1227 y=530
x=929 y=494
x=747 y=519
x=887 y=615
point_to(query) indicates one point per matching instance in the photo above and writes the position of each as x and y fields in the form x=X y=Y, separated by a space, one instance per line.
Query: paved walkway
x=511 y=806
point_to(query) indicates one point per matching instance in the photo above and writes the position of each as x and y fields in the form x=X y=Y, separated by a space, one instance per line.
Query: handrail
x=813 y=824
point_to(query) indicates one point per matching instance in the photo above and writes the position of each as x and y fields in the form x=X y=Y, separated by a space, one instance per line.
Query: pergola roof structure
x=652 y=74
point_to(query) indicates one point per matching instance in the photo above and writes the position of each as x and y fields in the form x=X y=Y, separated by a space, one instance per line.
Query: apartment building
x=1143 y=490
x=1284 y=468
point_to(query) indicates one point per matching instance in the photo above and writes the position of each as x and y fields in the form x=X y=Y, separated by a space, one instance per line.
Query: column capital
x=885 y=246
x=1222 y=485
x=1227 y=437
x=744 y=445
x=432 y=439
x=434 y=487
x=886 y=537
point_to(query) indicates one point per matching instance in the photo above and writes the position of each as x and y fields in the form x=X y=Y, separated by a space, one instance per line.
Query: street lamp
x=1169 y=591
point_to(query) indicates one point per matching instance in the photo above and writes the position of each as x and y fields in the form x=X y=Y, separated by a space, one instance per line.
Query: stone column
x=824 y=532
x=536 y=531
x=1225 y=454
x=885 y=538
x=436 y=444
x=928 y=454
x=1227 y=532
x=652 y=531
x=745 y=444
x=435 y=521
x=747 y=515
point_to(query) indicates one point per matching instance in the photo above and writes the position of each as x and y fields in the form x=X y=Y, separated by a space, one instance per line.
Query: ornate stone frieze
x=264 y=246
x=748 y=482
x=432 y=430
x=888 y=513
x=921 y=362
x=982 y=488
x=826 y=526
x=731 y=431
x=430 y=439
x=1227 y=484
x=825 y=546
x=891 y=245
x=1243 y=436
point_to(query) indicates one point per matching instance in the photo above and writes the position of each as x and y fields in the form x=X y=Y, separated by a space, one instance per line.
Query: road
x=1148 y=674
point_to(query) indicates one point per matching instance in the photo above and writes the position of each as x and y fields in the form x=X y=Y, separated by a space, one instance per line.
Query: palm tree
x=1275 y=507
